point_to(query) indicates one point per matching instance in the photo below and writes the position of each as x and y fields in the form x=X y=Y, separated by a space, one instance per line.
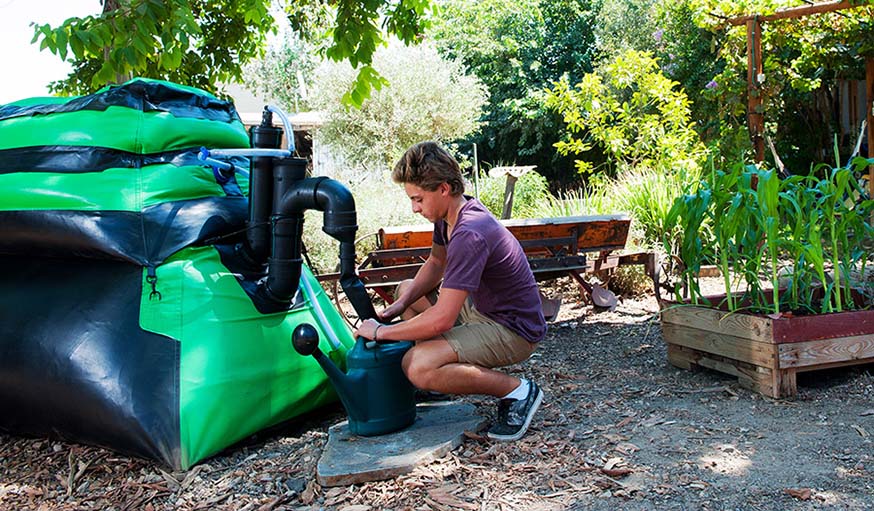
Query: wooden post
x=869 y=114
x=755 y=109
x=509 y=192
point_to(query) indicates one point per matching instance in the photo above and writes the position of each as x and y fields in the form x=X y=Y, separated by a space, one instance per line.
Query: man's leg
x=418 y=307
x=433 y=365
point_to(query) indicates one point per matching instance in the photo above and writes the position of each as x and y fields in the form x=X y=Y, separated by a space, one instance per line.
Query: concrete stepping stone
x=439 y=428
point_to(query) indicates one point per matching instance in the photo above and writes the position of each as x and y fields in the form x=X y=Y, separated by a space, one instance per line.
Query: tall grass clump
x=645 y=194
x=805 y=235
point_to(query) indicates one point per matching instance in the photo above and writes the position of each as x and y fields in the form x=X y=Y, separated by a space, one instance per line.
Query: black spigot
x=305 y=339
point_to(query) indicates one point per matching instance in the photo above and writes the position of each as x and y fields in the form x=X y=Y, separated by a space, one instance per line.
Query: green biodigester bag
x=120 y=322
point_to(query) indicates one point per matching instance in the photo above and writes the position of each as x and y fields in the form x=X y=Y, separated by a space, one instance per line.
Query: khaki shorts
x=482 y=341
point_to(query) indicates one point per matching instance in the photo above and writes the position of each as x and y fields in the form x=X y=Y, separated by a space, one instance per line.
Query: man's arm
x=427 y=278
x=430 y=324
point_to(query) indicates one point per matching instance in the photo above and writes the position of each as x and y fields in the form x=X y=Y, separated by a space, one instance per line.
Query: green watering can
x=376 y=393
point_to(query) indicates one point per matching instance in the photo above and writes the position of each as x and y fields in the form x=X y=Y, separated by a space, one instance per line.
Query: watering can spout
x=305 y=339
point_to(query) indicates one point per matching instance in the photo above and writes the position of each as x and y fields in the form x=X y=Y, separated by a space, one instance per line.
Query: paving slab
x=352 y=459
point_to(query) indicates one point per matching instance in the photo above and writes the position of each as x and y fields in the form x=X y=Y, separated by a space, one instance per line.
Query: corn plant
x=755 y=226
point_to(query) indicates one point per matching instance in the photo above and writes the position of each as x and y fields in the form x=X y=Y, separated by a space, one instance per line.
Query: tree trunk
x=108 y=7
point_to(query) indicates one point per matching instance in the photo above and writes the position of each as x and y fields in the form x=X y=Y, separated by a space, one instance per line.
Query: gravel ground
x=619 y=429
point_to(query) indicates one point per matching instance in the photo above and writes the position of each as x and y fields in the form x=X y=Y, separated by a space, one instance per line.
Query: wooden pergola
x=755 y=110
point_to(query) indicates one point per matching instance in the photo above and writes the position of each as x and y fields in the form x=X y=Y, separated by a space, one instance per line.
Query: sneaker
x=514 y=415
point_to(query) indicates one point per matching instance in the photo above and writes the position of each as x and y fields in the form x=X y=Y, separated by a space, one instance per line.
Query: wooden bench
x=555 y=247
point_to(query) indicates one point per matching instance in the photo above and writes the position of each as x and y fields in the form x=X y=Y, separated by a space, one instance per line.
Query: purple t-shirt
x=485 y=259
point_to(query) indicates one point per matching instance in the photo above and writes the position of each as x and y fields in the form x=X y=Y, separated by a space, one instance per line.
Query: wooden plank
x=833 y=365
x=755 y=108
x=595 y=232
x=736 y=348
x=682 y=358
x=797 y=12
x=767 y=381
x=826 y=351
x=758 y=379
x=869 y=109
x=718 y=322
x=787 y=382
x=823 y=326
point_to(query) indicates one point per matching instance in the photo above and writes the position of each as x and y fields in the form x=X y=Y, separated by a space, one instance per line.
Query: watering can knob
x=305 y=339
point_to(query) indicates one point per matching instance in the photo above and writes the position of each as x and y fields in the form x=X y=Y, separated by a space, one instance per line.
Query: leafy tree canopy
x=801 y=58
x=518 y=48
x=431 y=98
x=206 y=42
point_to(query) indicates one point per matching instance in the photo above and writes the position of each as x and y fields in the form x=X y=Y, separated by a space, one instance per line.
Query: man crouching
x=488 y=313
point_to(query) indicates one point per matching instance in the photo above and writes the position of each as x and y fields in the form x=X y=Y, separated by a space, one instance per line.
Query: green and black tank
x=123 y=321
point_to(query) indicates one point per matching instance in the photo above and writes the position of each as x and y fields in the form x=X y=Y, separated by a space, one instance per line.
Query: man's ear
x=445 y=189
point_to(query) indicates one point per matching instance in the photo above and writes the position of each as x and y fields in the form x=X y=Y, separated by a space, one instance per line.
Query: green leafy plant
x=805 y=235
x=632 y=112
x=431 y=98
x=204 y=43
x=530 y=192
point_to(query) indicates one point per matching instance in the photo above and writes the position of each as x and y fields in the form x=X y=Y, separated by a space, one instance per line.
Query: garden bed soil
x=619 y=428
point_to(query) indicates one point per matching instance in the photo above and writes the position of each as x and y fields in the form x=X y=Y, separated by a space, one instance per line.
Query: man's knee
x=401 y=287
x=416 y=368
x=420 y=365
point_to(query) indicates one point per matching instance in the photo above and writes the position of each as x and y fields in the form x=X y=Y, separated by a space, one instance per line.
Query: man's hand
x=392 y=311
x=367 y=329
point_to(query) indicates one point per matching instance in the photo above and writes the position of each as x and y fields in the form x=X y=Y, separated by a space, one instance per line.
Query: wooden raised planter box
x=765 y=354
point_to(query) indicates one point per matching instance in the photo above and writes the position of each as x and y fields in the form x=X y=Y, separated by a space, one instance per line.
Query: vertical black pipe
x=284 y=264
x=256 y=248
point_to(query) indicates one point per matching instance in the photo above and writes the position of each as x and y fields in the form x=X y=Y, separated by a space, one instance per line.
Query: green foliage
x=530 y=192
x=627 y=25
x=198 y=42
x=801 y=59
x=632 y=112
x=648 y=195
x=762 y=227
x=204 y=42
x=431 y=98
x=517 y=48
x=284 y=73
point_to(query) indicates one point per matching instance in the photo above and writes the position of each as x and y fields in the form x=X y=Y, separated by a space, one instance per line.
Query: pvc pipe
x=251 y=152
x=222 y=165
x=289 y=130
x=311 y=295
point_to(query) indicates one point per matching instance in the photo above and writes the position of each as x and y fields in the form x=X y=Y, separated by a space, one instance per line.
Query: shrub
x=632 y=112
x=427 y=98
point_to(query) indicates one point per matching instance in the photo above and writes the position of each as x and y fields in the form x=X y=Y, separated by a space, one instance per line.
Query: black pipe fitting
x=293 y=196
x=256 y=247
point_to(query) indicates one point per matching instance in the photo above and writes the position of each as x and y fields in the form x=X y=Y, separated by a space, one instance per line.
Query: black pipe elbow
x=340 y=218
x=292 y=198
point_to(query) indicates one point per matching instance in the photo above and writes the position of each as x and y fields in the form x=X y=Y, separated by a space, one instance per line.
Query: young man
x=488 y=313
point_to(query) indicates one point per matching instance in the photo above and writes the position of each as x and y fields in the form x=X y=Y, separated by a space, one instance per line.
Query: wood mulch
x=618 y=429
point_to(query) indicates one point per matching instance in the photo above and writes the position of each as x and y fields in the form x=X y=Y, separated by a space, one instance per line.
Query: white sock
x=521 y=392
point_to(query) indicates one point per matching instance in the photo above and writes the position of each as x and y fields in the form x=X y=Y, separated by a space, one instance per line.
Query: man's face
x=431 y=205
